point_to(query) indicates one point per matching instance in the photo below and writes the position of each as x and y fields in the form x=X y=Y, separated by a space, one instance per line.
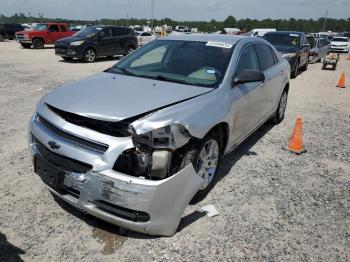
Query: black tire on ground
x=38 y=43
x=192 y=156
x=279 y=114
x=89 y=55
x=129 y=50
x=295 y=72
x=67 y=58
x=26 y=45
x=2 y=37
x=304 y=67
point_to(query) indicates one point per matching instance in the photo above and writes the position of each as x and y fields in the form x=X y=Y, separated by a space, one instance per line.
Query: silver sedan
x=134 y=144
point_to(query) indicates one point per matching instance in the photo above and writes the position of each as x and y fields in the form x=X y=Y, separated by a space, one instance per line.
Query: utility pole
x=41 y=15
x=325 y=22
x=152 y=14
x=29 y=17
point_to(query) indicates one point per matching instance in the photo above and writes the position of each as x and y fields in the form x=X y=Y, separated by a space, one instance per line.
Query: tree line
x=291 y=24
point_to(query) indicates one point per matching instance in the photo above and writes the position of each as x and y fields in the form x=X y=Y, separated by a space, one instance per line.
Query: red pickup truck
x=42 y=34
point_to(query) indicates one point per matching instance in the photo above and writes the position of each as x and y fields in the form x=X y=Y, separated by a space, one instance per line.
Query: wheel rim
x=207 y=162
x=130 y=50
x=283 y=105
x=90 y=55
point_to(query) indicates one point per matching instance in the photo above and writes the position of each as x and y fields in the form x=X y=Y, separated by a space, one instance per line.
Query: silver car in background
x=134 y=144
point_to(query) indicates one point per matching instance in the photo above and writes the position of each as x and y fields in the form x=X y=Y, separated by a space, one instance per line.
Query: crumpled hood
x=113 y=97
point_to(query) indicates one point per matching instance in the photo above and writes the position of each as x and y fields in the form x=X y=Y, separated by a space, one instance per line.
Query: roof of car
x=229 y=39
x=283 y=32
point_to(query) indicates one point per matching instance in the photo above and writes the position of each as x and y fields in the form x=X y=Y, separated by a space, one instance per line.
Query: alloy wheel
x=208 y=162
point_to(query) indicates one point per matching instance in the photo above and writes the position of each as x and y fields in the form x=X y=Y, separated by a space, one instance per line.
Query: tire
x=304 y=68
x=295 y=72
x=89 y=55
x=193 y=156
x=281 y=109
x=38 y=43
x=129 y=50
x=26 y=45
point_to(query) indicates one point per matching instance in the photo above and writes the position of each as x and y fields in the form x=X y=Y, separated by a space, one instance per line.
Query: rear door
x=105 y=45
x=273 y=71
x=118 y=33
x=64 y=31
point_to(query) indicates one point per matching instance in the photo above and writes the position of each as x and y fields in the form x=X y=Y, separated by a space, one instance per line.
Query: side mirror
x=248 y=76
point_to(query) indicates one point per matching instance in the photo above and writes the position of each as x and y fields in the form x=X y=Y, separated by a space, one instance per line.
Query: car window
x=107 y=32
x=152 y=57
x=265 y=55
x=247 y=60
x=121 y=31
x=146 y=34
x=63 y=28
x=54 y=28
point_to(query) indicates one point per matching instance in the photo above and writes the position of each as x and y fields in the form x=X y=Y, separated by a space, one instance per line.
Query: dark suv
x=95 y=41
x=294 y=48
x=8 y=31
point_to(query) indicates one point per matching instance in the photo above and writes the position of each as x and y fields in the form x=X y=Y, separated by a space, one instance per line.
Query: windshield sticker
x=210 y=71
x=219 y=44
x=295 y=42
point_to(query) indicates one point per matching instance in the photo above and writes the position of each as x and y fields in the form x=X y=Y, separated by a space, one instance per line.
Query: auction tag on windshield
x=219 y=44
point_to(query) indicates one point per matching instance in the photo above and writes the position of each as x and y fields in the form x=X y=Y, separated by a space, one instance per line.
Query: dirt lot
x=274 y=205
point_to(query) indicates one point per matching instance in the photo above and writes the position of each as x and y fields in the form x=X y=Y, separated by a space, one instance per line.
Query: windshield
x=88 y=32
x=335 y=39
x=40 y=27
x=287 y=40
x=187 y=62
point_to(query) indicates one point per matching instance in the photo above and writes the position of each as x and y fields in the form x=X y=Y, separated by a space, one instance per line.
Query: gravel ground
x=274 y=205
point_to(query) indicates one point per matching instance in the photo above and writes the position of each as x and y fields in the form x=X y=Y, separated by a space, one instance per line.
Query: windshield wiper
x=124 y=71
x=169 y=79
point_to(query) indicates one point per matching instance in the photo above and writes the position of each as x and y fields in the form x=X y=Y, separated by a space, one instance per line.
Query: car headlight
x=289 y=55
x=169 y=137
x=76 y=43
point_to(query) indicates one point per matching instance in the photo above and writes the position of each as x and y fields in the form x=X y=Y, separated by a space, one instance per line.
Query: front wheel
x=304 y=68
x=281 y=109
x=295 y=72
x=205 y=156
x=38 y=43
x=89 y=56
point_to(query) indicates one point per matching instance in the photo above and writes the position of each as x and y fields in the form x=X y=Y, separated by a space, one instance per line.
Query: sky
x=181 y=10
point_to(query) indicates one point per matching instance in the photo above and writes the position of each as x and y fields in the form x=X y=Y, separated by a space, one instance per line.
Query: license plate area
x=49 y=173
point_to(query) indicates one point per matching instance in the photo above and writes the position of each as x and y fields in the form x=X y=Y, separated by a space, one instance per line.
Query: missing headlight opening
x=155 y=154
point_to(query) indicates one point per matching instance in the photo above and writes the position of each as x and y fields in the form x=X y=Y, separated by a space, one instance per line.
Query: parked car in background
x=43 y=34
x=96 y=41
x=134 y=144
x=144 y=38
x=340 y=44
x=8 y=31
x=294 y=48
x=320 y=48
x=260 y=31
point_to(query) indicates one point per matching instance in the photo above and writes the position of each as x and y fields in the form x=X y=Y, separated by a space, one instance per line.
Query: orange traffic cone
x=295 y=144
x=348 y=57
x=341 y=82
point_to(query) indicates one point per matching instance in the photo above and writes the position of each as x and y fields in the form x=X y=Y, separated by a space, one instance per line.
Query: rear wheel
x=129 y=50
x=279 y=114
x=89 y=55
x=295 y=72
x=205 y=156
x=38 y=43
x=26 y=45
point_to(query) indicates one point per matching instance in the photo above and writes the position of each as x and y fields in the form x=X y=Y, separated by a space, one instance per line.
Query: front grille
x=118 y=129
x=102 y=148
x=129 y=214
x=63 y=162
x=20 y=36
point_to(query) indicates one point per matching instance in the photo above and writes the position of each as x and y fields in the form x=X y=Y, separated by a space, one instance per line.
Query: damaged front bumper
x=149 y=206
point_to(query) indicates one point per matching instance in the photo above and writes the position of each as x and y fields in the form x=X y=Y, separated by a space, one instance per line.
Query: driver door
x=53 y=34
